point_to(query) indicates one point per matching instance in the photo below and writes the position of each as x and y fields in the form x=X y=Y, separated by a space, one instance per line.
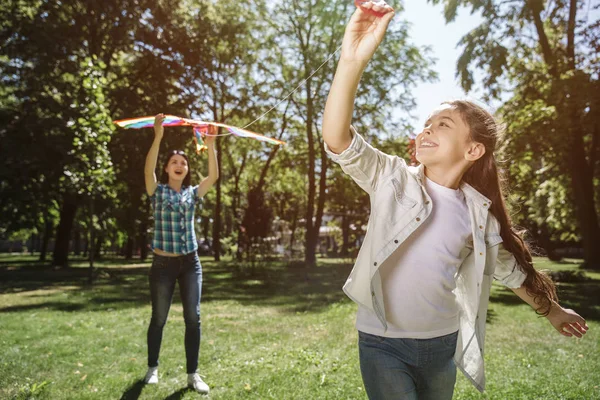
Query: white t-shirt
x=419 y=277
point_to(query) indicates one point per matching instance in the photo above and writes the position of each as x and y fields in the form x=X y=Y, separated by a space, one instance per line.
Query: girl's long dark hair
x=486 y=179
x=164 y=177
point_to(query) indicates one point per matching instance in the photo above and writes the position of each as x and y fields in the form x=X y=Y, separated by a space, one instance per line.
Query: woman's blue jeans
x=164 y=272
x=411 y=369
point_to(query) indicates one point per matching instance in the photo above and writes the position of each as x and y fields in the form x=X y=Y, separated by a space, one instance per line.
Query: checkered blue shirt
x=174 y=219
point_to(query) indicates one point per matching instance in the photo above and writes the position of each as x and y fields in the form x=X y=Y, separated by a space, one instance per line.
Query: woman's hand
x=211 y=136
x=158 y=128
x=366 y=30
x=567 y=322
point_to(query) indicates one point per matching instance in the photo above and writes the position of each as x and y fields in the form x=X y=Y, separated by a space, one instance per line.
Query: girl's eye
x=443 y=124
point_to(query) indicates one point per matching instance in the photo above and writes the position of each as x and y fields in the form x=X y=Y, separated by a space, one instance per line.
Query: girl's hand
x=567 y=322
x=211 y=136
x=366 y=30
x=158 y=128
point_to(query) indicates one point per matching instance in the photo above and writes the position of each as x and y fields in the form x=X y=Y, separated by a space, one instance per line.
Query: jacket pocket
x=392 y=202
x=400 y=196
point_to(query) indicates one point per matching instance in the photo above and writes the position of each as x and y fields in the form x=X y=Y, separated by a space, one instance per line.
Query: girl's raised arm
x=152 y=157
x=364 y=33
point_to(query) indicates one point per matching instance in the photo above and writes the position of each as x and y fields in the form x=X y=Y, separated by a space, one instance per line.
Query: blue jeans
x=399 y=368
x=164 y=272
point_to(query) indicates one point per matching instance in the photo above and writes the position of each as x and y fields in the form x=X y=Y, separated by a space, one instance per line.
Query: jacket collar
x=469 y=191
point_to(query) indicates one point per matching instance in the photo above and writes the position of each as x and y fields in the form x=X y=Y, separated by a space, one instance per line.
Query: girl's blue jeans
x=164 y=272
x=411 y=369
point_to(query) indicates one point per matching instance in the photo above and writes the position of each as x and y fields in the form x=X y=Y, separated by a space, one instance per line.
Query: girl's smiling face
x=445 y=139
x=177 y=168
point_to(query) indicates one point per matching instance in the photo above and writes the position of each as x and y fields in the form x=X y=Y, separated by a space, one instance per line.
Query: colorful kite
x=200 y=128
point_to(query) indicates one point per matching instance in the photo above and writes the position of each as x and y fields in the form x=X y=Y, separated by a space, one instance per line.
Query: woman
x=175 y=250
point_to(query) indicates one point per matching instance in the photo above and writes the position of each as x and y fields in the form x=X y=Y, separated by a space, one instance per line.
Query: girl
x=175 y=250
x=437 y=236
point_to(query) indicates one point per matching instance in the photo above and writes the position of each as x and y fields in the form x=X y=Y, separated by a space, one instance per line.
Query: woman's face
x=177 y=168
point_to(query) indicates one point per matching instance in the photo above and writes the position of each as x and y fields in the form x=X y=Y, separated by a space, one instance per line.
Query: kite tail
x=198 y=132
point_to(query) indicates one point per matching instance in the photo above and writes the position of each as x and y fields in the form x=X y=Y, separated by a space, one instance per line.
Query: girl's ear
x=475 y=151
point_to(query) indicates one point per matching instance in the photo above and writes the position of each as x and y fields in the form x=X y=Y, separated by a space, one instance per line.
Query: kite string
x=296 y=89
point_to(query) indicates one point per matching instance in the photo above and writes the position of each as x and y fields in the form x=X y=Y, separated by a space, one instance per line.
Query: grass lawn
x=278 y=332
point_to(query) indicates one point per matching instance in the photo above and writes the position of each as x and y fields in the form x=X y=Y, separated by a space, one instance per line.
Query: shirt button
x=373 y=294
x=480 y=226
x=375 y=263
x=426 y=201
x=418 y=219
x=485 y=204
x=396 y=241
x=480 y=254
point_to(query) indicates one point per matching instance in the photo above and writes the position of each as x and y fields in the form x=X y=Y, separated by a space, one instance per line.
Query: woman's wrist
x=351 y=66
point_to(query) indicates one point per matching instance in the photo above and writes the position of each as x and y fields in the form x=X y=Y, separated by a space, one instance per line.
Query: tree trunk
x=129 y=248
x=345 y=235
x=46 y=238
x=217 y=216
x=322 y=191
x=580 y=171
x=77 y=242
x=583 y=191
x=312 y=231
x=240 y=243
x=98 y=246
x=63 y=232
x=143 y=239
x=32 y=243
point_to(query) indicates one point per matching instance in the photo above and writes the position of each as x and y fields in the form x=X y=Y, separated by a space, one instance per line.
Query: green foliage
x=90 y=169
x=70 y=68
x=538 y=52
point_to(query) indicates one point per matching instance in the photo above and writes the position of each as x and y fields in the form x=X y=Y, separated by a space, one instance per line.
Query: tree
x=311 y=30
x=540 y=50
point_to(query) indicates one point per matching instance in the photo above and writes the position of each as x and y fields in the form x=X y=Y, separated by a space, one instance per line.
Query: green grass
x=276 y=332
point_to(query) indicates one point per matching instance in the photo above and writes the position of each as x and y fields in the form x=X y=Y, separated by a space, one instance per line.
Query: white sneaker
x=151 y=376
x=196 y=383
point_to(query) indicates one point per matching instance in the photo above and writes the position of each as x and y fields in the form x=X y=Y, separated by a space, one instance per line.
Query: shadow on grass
x=293 y=287
x=178 y=395
x=491 y=316
x=583 y=297
x=134 y=391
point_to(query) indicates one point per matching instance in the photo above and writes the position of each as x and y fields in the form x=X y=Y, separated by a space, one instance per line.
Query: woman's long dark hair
x=164 y=177
x=485 y=178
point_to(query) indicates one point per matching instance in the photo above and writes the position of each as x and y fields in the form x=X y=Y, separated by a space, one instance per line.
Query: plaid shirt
x=174 y=219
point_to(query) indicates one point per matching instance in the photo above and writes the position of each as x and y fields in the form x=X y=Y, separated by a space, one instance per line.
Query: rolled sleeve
x=508 y=272
x=365 y=164
x=355 y=148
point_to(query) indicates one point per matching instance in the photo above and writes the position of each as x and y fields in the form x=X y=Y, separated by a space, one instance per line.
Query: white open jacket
x=399 y=204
